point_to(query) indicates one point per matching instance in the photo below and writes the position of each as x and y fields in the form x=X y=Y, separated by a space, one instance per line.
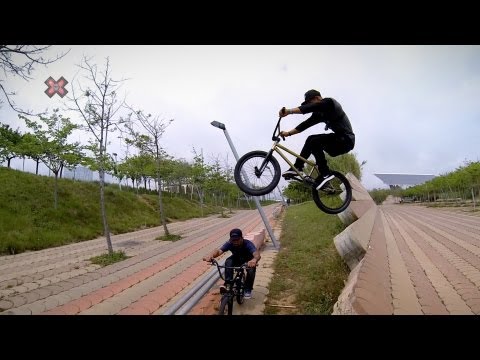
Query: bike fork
x=259 y=172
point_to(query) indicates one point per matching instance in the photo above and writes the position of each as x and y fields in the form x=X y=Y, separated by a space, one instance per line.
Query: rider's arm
x=214 y=254
x=255 y=260
x=326 y=105
x=289 y=111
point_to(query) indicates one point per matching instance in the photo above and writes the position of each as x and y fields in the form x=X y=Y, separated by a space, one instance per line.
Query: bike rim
x=333 y=197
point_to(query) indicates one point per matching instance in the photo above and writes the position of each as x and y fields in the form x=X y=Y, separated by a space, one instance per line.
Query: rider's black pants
x=331 y=143
x=236 y=261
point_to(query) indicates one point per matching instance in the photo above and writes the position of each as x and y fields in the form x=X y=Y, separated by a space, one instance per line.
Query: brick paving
x=433 y=258
x=62 y=281
x=419 y=261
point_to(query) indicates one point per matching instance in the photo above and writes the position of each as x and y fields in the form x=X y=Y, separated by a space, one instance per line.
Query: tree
x=19 y=60
x=9 y=143
x=51 y=144
x=98 y=106
x=199 y=175
x=150 y=144
x=31 y=147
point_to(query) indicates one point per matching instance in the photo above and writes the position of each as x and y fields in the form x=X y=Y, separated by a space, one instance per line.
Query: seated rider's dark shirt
x=243 y=252
x=330 y=112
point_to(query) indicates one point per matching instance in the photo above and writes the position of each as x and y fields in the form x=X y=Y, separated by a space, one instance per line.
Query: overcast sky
x=414 y=109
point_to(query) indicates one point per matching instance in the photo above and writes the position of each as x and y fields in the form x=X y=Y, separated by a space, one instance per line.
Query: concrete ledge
x=368 y=289
x=352 y=243
x=257 y=237
x=355 y=211
x=358 y=191
x=362 y=245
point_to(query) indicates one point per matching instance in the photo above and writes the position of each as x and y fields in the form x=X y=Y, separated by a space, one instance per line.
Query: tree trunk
x=36 y=170
x=106 y=230
x=200 y=195
x=160 y=202
x=55 y=191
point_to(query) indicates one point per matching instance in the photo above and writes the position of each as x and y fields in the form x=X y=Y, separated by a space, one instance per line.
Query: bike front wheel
x=226 y=306
x=335 y=196
x=247 y=175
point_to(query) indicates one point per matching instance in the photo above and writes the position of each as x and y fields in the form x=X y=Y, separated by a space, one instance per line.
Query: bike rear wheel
x=226 y=306
x=335 y=196
x=249 y=180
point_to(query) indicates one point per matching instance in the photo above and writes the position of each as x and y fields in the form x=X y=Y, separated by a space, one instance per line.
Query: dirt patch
x=209 y=304
x=283 y=306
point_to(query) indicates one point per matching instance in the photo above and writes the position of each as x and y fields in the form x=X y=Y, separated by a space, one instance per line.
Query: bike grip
x=283 y=110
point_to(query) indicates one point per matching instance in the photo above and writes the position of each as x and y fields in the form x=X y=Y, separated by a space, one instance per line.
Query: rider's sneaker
x=247 y=294
x=291 y=172
x=323 y=182
x=223 y=289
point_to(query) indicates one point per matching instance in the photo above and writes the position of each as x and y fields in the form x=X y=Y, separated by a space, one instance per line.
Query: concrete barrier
x=368 y=289
x=352 y=243
x=257 y=237
x=362 y=246
x=361 y=202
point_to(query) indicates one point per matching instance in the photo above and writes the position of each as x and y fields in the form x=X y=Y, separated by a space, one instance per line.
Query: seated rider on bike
x=341 y=141
x=243 y=251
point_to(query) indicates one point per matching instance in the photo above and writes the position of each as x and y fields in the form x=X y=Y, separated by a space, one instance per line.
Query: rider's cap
x=309 y=95
x=235 y=234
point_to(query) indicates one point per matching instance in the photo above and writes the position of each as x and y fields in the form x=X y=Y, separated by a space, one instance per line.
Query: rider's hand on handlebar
x=207 y=259
x=252 y=263
x=283 y=112
x=285 y=133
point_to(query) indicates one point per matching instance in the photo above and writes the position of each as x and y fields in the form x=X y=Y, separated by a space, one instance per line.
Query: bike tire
x=241 y=291
x=256 y=185
x=338 y=199
x=226 y=304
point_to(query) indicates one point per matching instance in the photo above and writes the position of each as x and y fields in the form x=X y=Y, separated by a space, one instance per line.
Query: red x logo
x=56 y=87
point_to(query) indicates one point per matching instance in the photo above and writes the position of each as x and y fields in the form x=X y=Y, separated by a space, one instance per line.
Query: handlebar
x=275 y=134
x=214 y=262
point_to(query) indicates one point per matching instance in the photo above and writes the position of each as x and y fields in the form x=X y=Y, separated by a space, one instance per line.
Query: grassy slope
x=309 y=273
x=28 y=220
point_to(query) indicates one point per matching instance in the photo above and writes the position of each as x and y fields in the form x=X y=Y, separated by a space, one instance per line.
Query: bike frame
x=233 y=288
x=277 y=147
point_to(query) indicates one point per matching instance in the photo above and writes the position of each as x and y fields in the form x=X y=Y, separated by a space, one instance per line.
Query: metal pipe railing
x=194 y=294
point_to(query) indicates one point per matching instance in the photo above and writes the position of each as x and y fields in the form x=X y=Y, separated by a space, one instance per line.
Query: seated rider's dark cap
x=235 y=234
x=309 y=95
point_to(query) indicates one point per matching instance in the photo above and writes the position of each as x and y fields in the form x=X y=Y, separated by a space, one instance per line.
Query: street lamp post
x=257 y=202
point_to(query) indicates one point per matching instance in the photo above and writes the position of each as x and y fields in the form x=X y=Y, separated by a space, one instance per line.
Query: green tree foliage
x=9 y=143
x=459 y=183
x=51 y=145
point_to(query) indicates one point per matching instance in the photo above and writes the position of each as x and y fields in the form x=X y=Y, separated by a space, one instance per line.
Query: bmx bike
x=258 y=173
x=234 y=289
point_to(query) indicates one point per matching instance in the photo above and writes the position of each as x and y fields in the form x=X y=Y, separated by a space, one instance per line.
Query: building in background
x=404 y=180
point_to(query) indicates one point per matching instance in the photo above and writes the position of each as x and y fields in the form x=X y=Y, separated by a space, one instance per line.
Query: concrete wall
x=362 y=245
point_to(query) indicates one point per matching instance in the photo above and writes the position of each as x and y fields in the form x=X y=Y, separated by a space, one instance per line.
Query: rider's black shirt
x=330 y=112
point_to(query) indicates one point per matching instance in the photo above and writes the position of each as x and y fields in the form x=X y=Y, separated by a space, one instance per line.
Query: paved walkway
x=208 y=305
x=421 y=261
x=63 y=281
